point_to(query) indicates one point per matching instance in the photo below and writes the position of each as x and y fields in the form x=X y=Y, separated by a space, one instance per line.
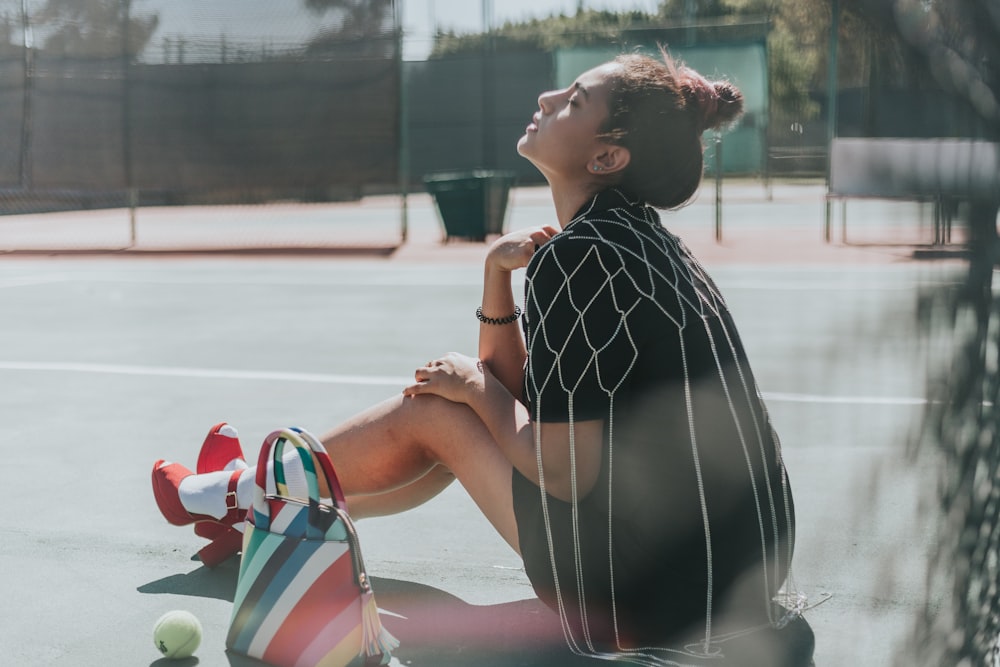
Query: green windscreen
x=184 y=101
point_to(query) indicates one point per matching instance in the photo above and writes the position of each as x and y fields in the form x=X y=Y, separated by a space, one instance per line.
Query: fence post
x=130 y=191
x=831 y=102
x=718 y=186
x=26 y=110
x=403 y=130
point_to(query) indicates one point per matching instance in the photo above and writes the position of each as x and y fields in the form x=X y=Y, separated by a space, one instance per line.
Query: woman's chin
x=521 y=143
x=526 y=150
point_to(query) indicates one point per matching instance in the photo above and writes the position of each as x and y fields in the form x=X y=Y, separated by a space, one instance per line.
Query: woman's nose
x=546 y=101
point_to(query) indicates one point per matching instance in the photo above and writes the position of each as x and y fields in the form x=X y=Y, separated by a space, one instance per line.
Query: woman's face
x=561 y=139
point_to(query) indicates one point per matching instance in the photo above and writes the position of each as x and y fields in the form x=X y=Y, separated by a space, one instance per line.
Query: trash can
x=471 y=204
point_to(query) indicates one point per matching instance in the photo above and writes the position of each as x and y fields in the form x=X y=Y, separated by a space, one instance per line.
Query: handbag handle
x=309 y=450
x=332 y=481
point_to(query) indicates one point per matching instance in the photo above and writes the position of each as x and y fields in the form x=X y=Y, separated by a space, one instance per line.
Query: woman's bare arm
x=501 y=346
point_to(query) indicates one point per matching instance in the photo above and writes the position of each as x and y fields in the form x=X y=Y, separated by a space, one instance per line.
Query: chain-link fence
x=139 y=103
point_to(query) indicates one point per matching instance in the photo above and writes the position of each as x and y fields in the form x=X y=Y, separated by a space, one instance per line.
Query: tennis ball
x=177 y=634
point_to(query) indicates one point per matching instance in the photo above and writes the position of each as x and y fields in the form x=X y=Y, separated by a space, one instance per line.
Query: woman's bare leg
x=396 y=447
x=404 y=498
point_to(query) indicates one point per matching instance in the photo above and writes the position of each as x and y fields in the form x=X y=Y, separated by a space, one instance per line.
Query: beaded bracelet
x=498 y=320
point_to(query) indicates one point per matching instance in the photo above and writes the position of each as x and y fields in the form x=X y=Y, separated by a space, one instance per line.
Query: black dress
x=623 y=325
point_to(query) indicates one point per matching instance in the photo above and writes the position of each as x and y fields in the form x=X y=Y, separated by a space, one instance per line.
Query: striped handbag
x=303 y=598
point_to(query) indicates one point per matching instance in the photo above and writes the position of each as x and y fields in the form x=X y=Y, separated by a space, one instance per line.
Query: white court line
x=829 y=286
x=25 y=281
x=370 y=380
x=359 y=279
x=778 y=396
x=380 y=275
x=458 y=279
x=204 y=373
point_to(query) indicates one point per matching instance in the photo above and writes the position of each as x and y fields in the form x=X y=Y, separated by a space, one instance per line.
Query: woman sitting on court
x=620 y=445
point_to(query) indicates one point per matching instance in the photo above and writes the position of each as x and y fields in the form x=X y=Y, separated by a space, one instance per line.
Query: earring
x=597 y=167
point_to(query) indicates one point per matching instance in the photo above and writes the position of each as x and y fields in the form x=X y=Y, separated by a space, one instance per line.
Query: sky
x=248 y=19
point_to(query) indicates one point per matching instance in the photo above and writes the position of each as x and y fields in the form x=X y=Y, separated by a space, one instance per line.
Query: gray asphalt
x=109 y=361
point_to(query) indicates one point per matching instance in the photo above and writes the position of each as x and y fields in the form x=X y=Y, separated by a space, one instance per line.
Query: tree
x=10 y=24
x=357 y=16
x=586 y=28
x=362 y=27
x=91 y=28
x=958 y=42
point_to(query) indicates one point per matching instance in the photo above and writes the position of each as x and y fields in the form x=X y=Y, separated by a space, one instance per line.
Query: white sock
x=206 y=493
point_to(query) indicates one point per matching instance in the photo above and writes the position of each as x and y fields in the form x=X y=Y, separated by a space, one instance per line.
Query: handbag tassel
x=375 y=639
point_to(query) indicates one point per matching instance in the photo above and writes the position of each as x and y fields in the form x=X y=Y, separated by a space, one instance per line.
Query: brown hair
x=658 y=111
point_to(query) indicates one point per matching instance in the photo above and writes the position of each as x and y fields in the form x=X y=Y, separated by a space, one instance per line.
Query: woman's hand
x=513 y=251
x=454 y=376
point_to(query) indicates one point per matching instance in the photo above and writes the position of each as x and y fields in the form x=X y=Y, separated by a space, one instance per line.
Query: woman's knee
x=446 y=431
x=431 y=413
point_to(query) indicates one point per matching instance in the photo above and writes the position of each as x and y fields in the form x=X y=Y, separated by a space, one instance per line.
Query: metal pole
x=26 y=166
x=690 y=12
x=831 y=103
x=404 y=130
x=832 y=73
x=488 y=84
x=131 y=193
x=718 y=187
x=487 y=11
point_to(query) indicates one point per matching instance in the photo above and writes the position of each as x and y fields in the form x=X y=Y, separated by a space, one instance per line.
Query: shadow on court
x=438 y=629
x=218 y=583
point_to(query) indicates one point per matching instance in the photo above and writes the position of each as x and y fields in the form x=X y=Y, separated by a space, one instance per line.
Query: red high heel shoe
x=225 y=540
x=222 y=445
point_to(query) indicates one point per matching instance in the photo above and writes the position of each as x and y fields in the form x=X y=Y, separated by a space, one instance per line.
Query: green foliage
x=700 y=9
x=357 y=17
x=363 y=28
x=587 y=28
x=797 y=49
x=9 y=26
x=91 y=28
x=679 y=9
x=791 y=71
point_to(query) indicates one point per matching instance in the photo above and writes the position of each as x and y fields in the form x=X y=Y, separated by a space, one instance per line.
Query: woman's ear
x=610 y=160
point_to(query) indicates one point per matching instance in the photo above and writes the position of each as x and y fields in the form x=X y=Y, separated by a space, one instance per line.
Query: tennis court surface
x=109 y=361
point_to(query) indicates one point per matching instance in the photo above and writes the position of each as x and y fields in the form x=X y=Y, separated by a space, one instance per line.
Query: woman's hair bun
x=714 y=102
x=728 y=107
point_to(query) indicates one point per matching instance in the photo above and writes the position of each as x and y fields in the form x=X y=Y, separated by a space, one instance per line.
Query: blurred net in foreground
x=961 y=622
x=114 y=103
x=960 y=43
